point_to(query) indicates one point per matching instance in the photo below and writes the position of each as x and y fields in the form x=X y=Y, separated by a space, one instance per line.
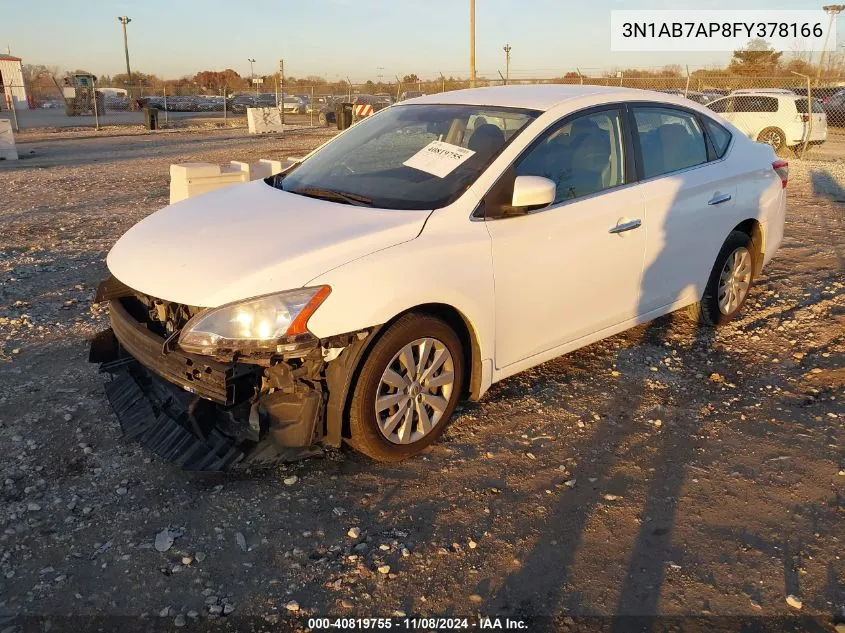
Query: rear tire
x=773 y=136
x=422 y=398
x=729 y=283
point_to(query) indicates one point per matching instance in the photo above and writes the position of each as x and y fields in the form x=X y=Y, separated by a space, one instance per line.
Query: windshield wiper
x=330 y=194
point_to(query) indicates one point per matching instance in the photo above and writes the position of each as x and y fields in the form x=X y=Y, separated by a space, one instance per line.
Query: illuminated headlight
x=255 y=325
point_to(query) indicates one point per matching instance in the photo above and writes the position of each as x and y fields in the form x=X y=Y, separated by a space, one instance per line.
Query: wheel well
x=472 y=352
x=459 y=323
x=754 y=230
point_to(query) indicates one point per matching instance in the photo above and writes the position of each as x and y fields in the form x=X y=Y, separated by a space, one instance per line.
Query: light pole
x=124 y=21
x=252 y=74
x=472 y=43
x=507 y=49
x=832 y=10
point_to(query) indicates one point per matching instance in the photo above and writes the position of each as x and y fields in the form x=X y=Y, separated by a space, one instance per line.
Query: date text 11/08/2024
x=437 y=624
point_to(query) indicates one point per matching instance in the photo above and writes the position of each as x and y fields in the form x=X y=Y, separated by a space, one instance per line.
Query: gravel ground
x=663 y=471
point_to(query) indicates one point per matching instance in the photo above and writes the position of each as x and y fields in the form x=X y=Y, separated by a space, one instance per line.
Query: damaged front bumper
x=206 y=415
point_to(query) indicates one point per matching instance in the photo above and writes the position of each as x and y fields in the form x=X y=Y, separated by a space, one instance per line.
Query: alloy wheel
x=735 y=280
x=414 y=391
x=773 y=138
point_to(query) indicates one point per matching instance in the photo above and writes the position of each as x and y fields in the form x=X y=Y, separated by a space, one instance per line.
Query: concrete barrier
x=192 y=179
x=7 y=141
x=264 y=120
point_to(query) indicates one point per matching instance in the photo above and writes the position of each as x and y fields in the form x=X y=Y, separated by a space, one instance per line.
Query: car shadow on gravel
x=825 y=186
x=541 y=586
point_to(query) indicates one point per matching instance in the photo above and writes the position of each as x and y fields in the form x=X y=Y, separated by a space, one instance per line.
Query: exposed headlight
x=255 y=325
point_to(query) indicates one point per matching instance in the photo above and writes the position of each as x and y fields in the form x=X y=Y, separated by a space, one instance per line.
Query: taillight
x=782 y=169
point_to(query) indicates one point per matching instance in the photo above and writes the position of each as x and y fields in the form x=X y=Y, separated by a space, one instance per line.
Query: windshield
x=446 y=147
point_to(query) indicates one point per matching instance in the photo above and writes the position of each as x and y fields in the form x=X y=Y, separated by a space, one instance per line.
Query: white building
x=12 y=89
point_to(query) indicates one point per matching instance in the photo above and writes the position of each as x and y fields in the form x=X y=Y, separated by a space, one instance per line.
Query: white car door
x=686 y=194
x=573 y=268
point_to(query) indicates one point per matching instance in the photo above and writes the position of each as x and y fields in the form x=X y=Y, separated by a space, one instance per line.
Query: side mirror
x=532 y=192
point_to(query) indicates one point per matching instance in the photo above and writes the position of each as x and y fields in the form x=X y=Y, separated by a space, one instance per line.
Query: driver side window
x=582 y=156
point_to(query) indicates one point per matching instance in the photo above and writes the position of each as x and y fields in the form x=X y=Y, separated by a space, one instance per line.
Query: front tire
x=729 y=283
x=407 y=389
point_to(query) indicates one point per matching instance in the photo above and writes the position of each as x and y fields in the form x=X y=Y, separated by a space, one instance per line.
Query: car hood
x=249 y=240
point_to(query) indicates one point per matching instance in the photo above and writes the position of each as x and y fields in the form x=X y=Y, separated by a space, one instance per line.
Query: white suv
x=777 y=117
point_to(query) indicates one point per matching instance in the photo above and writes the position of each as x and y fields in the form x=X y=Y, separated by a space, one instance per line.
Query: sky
x=359 y=39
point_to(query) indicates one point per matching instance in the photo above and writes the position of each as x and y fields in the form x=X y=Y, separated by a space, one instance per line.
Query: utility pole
x=282 y=85
x=124 y=21
x=832 y=10
x=252 y=73
x=507 y=49
x=472 y=43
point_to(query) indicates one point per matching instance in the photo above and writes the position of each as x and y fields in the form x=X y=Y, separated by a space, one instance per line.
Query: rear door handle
x=719 y=199
x=626 y=226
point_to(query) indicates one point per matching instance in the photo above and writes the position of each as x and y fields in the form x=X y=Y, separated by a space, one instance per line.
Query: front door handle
x=626 y=226
x=719 y=198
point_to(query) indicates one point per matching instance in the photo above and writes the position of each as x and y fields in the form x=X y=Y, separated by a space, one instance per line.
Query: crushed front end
x=211 y=413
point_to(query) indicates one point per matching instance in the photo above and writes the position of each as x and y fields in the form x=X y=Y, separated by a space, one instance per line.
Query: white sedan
x=439 y=246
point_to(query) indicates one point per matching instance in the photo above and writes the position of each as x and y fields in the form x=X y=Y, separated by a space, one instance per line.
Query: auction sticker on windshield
x=439 y=159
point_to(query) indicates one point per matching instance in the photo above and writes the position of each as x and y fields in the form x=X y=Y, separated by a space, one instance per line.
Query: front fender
x=449 y=263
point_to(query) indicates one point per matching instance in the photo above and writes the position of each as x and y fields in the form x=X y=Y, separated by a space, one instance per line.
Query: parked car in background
x=325 y=112
x=777 y=117
x=712 y=94
x=835 y=109
x=757 y=91
x=421 y=256
x=823 y=94
x=117 y=102
x=294 y=105
x=318 y=103
x=239 y=103
x=698 y=97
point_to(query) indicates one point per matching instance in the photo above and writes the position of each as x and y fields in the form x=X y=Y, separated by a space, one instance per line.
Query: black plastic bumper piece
x=167 y=421
x=151 y=415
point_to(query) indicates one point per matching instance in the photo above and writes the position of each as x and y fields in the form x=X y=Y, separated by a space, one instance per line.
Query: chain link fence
x=791 y=112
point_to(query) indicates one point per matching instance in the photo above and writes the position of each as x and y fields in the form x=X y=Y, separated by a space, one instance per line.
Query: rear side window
x=755 y=103
x=719 y=136
x=721 y=105
x=802 y=106
x=669 y=140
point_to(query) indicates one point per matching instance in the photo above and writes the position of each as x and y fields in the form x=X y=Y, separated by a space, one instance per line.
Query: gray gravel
x=660 y=471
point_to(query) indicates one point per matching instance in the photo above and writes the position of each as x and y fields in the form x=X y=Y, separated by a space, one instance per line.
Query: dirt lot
x=663 y=471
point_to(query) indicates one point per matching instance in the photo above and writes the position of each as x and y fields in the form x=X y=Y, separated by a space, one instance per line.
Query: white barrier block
x=7 y=141
x=264 y=120
x=191 y=179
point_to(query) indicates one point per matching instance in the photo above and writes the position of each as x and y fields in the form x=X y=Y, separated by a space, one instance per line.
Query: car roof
x=765 y=93
x=768 y=91
x=540 y=96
